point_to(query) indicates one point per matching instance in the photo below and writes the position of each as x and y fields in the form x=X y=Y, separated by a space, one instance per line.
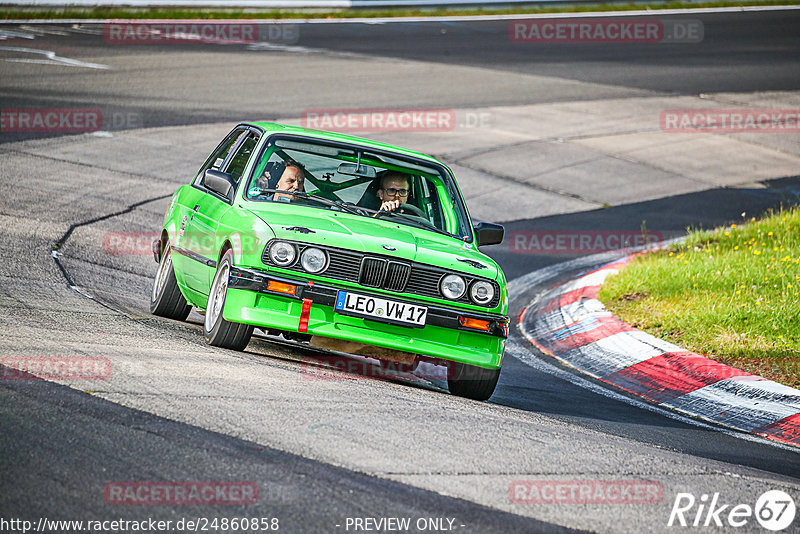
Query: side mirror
x=489 y=233
x=219 y=182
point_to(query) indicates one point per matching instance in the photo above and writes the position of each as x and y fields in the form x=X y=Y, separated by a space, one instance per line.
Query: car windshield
x=355 y=179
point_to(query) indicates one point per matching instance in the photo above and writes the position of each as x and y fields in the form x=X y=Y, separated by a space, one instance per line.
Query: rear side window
x=239 y=161
x=220 y=154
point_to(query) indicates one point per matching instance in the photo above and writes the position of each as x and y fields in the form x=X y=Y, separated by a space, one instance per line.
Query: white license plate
x=387 y=311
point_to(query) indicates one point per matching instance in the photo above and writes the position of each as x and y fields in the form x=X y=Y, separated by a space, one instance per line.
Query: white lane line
x=284 y=48
x=81 y=28
x=275 y=47
x=52 y=58
x=43 y=62
x=44 y=30
x=8 y=34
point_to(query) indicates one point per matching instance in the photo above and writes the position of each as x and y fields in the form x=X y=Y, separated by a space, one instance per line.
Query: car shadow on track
x=317 y=364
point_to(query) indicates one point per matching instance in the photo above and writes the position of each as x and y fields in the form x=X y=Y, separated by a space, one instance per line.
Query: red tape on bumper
x=303 y=326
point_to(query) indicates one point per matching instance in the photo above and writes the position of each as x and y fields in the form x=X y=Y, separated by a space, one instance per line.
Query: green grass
x=732 y=294
x=15 y=12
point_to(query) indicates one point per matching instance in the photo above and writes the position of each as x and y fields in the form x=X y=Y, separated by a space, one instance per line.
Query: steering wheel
x=410 y=209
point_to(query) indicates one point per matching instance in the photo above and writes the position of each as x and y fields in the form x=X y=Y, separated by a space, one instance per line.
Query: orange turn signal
x=477 y=324
x=280 y=287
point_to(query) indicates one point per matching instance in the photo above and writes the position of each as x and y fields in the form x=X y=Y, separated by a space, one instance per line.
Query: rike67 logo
x=774 y=510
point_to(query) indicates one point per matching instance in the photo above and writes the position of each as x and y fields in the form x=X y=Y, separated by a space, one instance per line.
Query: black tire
x=166 y=299
x=218 y=331
x=471 y=381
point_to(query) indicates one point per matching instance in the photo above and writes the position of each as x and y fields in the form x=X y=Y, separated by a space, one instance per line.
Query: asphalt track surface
x=322 y=452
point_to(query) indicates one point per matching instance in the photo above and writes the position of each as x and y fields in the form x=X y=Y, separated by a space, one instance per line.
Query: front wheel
x=218 y=331
x=471 y=381
x=166 y=299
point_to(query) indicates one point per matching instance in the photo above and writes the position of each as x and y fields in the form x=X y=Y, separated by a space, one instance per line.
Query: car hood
x=377 y=236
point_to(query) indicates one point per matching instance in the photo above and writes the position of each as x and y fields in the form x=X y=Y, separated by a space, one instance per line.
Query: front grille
x=385 y=272
x=342 y=266
x=424 y=282
x=397 y=276
x=373 y=272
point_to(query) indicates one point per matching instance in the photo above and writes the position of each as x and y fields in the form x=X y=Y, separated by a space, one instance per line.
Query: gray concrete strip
x=611 y=147
x=484 y=191
x=687 y=155
x=571 y=170
x=772 y=101
x=161 y=153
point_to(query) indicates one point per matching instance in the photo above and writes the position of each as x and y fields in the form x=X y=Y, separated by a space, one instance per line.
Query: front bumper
x=249 y=301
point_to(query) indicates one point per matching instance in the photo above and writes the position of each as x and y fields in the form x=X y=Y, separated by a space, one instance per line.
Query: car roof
x=275 y=127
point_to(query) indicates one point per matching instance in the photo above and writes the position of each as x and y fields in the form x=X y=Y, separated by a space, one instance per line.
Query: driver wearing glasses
x=393 y=191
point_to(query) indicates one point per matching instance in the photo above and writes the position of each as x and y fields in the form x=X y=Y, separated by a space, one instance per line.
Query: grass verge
x=11 y=12
x=732 y=294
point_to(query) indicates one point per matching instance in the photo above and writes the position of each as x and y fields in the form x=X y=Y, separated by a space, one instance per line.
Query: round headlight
x=282 y=253
x=452 y=286
x=313 y=260
x=481 y=292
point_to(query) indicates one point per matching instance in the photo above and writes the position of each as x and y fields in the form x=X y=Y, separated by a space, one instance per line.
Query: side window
x=218 y=157
x=429 y=202
x=261 y=175
x=239 y=160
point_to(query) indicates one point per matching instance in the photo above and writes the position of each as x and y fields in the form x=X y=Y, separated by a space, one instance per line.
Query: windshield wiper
x=418 y=222
x=322 y=200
